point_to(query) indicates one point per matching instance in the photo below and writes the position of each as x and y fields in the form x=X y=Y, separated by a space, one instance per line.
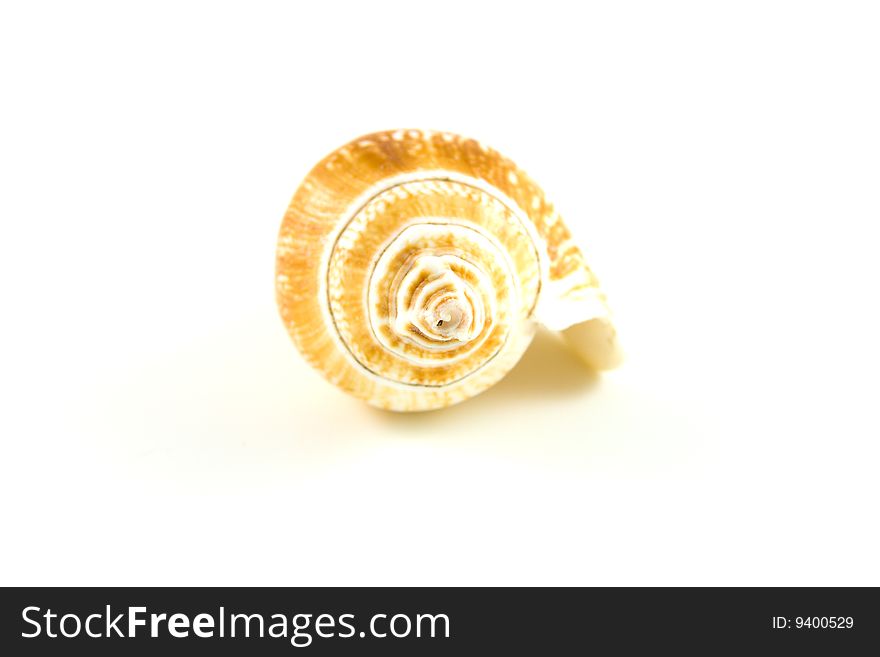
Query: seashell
x=413 y=268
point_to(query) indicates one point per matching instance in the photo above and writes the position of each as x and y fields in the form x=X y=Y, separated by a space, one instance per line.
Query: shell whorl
x=412 y=268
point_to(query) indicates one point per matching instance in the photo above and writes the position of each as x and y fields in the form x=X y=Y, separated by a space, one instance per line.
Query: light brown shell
x=414 y=266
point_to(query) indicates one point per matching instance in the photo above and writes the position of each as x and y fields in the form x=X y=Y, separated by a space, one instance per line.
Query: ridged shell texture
x=413 y=267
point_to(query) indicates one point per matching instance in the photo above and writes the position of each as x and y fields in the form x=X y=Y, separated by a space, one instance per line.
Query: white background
x=720 y=163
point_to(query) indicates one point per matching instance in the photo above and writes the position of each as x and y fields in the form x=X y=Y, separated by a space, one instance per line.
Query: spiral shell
x=413 y=268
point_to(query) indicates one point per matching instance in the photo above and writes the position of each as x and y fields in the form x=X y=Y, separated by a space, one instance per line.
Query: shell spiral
x=413 y=268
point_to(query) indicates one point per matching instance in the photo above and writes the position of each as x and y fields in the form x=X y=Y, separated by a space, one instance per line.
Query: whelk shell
x=413 y=268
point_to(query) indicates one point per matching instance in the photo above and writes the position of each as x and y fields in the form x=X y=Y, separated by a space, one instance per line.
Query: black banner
x=415 y=621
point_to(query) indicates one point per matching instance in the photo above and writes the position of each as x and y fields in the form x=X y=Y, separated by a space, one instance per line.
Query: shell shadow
x=224 y=405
